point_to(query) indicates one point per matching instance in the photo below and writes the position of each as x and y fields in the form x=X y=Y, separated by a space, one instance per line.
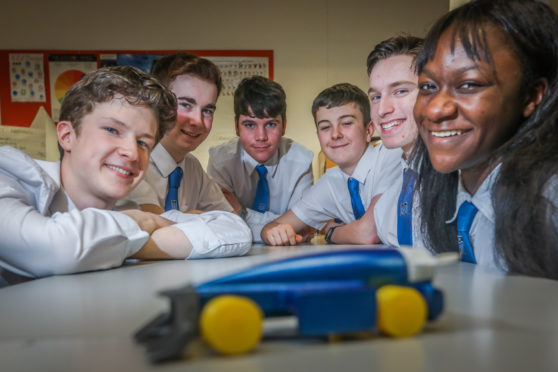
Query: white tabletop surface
x=85 y=322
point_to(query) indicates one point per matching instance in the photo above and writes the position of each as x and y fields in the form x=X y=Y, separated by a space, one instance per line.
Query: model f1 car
x=330 y=293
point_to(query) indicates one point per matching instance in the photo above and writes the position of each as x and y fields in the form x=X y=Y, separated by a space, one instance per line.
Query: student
x=392 y=92
x=486 y=112
x=261 y=152
x=196 y=82
x=342 y=117
x=55 y=217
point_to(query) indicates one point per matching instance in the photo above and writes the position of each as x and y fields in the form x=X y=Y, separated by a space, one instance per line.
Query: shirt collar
x=162 y=160
x=363 y=166
x=250 y=163
x=61 y=201
x=482 y=198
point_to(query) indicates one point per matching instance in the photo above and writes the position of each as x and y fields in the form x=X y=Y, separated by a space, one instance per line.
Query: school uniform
x=196 y=191
x=289 y=174
x=387 y=209
x=43 y=233
x=482 y=229
x=215 y=233
x=376 y=172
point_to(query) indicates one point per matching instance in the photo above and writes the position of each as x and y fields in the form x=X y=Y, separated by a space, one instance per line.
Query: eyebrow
x=194 y=102
x=393 y=85
x=339 y=118
x=473 y=66
x=346 y=116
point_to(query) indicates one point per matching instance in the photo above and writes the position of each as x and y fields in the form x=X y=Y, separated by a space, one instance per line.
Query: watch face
x=328 y=234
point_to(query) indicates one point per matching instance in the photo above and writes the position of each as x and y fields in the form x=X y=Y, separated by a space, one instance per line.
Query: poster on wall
x=234 y=69
x=64 y=71
x=142 y=61
x=27 y=77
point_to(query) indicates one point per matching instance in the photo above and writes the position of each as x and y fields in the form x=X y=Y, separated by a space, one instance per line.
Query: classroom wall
x=316 y=43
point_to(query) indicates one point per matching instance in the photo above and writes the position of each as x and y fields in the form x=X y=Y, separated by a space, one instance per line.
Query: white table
x=85 y=322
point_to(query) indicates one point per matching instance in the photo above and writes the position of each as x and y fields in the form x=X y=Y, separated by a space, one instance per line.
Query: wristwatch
x=329 y=233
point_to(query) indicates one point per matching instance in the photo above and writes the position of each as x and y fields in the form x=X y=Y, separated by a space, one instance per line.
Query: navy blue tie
x=465 y=216
x=261 y=202
x=171 y=202
x=356 y=202
x=405 y=209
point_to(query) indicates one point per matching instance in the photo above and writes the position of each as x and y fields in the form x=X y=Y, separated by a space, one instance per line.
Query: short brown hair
x=169 y=67
x=260 y=96
x=342 y=94
x=135 y=86
x=395 y=46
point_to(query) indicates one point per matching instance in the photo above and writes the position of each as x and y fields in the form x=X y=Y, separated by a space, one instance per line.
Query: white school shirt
x=215 y=233
x=42 y=231
x=376 y=172
x=386 y=211
x=289 y=174
x=196 y=191
x=481 y=234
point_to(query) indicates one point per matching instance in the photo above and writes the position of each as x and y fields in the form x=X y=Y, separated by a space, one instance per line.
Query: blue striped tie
x=405 y=209
x=261 y=202
x=171 y=202
x=465 y=216
x=356 y=202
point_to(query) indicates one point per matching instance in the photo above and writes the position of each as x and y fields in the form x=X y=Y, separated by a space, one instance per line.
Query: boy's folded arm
x=165 y=243
x=35 y=245
x=257 y=221
x=361 y=231
x=232 y=199
x=210 y=234
x=283 y=230
x=147 y=221
x=153 y=208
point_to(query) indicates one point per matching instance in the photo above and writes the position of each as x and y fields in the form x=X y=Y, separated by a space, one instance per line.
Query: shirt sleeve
x=217 y=173
x=210 y=197
x=304 y=183
x=35 y=245
x=385 y=217
x=317 y=205
x=213 y=234
x=389 y=170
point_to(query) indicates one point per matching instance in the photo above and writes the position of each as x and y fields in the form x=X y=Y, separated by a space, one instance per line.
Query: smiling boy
x=392 y=92
x=285 y=166
x=196 y=82
x=342 y=117
x=175 y=181
x=55 y=217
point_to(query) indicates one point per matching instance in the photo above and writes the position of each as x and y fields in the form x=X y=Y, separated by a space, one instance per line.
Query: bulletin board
x=31 y=79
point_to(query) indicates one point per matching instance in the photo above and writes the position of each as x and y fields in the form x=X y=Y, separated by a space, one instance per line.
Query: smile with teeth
x=446 y=133
x=191 y=134
x=391 y=124
x=119 y=170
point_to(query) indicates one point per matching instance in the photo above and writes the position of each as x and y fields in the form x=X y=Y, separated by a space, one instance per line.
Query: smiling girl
x=488 y=154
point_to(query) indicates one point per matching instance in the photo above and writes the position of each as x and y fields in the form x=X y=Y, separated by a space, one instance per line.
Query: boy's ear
x=284 y=127
x=369 y=131
x=535 y=96
x=66 y=135
x=236 y=127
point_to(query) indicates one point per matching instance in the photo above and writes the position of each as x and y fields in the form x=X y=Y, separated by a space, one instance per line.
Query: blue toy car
x=334 y=292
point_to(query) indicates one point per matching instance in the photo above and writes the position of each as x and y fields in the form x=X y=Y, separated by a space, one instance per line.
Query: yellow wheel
x=402 y=311
x=231 y=324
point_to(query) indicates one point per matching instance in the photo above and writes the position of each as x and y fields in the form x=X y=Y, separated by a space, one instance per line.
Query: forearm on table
x=165 y=243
